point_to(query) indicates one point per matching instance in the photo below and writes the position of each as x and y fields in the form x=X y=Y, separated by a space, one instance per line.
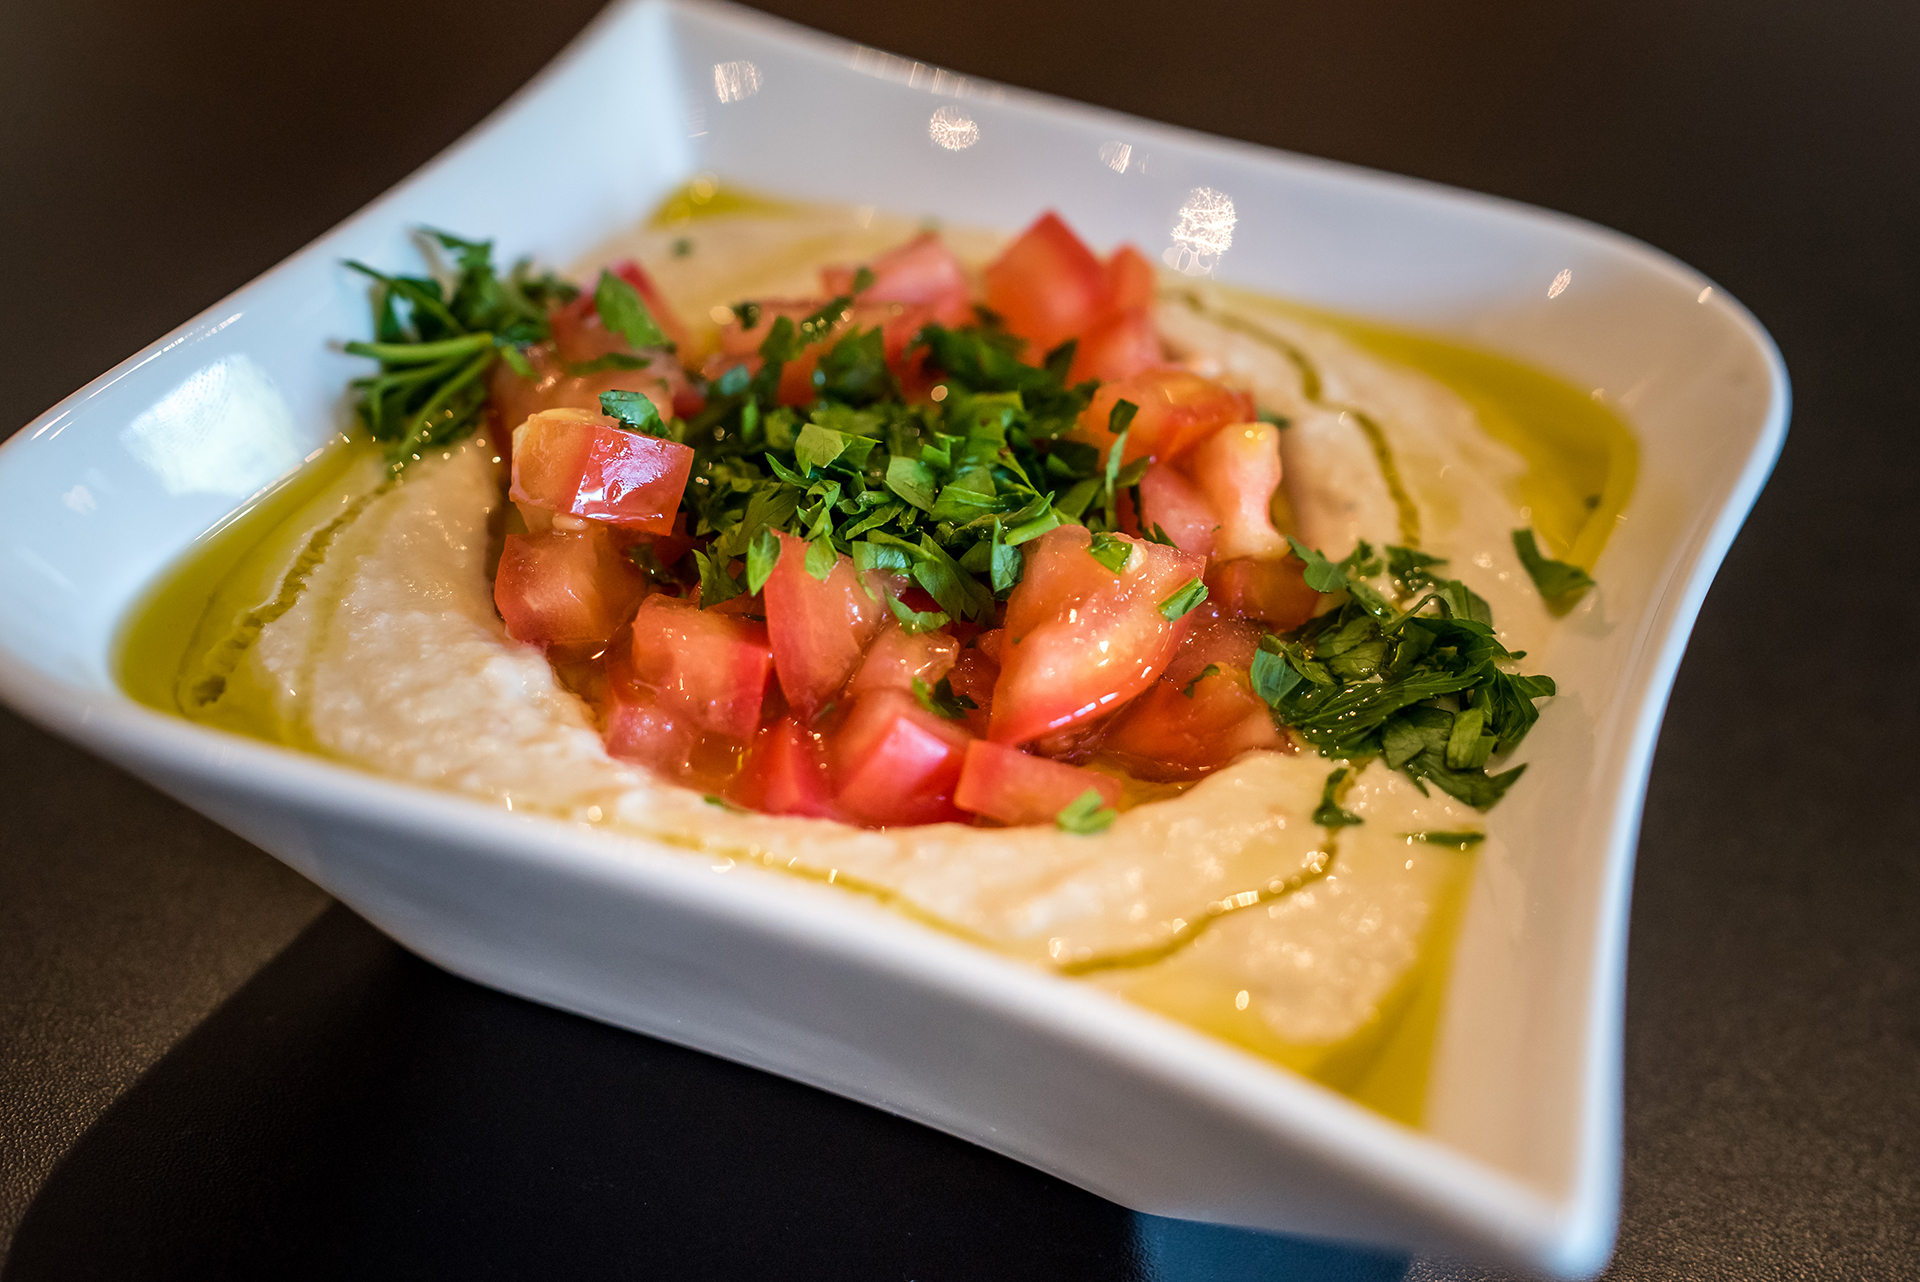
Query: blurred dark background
x=207 y=1071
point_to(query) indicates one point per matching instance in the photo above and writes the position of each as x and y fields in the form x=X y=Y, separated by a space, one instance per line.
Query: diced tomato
x=1172 y=502
x=663 y=314
x=1177 y=410
x=1047 y=286
x=1238 y=469
x=1215 y=642
x=1274 y=591
x=640 y=729
x=896 y=763
x=898 y=657
x=1129 y=280
x=1118 y=345
x=1081 y=639
x=585 y=465
x=514 y=399
x=922 y=273
x=818 y=629
x=711 y=667
x=566 y=589
x=1016 y=788
x=1179 y=731
x=786 y=773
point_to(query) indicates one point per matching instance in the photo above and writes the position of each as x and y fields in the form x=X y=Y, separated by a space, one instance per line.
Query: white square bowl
x=1519 y=1159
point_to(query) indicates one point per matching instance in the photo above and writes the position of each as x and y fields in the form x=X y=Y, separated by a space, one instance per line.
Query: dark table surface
x=209 y=1070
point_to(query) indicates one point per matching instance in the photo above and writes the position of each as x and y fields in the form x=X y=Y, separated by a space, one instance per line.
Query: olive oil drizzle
x=200 y=691
x=1311 y=389
x=1187 y=931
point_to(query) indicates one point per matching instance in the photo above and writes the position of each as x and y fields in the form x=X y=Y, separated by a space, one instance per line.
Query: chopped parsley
x=1458 y=840
x=1087 y=814
x=1426 y=687
x=1558 y=581
x=1182 y=602
x=941 y=700
x=1328 y=813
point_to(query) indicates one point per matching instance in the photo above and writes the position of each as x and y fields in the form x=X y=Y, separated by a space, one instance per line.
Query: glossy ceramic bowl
x=1519 y=1159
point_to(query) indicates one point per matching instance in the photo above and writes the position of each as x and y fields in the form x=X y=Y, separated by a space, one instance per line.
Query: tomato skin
x=565 y=589
x=1118 y=345
x=786 y=773
x=922 y=273
x=819 y=630
x=1175 y=504
x=1171 y=734
x=896 y=763
x=584 y=465
x=1047 y=285
x=1220 y=642
x=1130 y=280
x=1017 y=788
x=1081 y=640
x=639 y=729
x=711 y=668
x=1238 y=469
x=898 y=657
x=1274 y=591
x=1178 y=410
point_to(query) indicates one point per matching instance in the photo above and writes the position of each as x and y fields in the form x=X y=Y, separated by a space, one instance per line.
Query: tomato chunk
x=786 y=773
x=584 y=465
x=1117 y=346
x=640 y=729
x=1178 y=410
x=1175 y=504
x=1274 y=591
x=710 y=667
x=1177 y=732
x=1215 y=642
x=819 y=629
x=898 y=657
x=922 y=273
x=1047 y=286
x=896 y=763
x=1081 y=639
x=1238 y=469
x=1129 y=280
x=1017 y=788
x=567 y=589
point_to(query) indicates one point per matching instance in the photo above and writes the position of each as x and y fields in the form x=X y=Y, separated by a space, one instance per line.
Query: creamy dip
x=362 y=626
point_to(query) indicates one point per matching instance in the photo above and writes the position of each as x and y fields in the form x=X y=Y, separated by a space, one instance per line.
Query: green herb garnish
x=635 y=410
x=940 y=699
x=1189 y=595
x=1328 y=813
x=1558 y=581
x=624 y=313
x=435 y=348
x=1426 y=687
x=1087 y=814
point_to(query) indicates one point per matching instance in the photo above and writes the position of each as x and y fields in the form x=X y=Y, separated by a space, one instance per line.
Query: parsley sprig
x=435 y=347
x=1426 y=687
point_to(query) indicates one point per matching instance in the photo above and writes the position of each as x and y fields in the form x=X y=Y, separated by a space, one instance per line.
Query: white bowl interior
x=114 y=484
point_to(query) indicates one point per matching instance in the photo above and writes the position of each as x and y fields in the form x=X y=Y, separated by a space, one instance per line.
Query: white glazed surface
x=1520 y=1157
